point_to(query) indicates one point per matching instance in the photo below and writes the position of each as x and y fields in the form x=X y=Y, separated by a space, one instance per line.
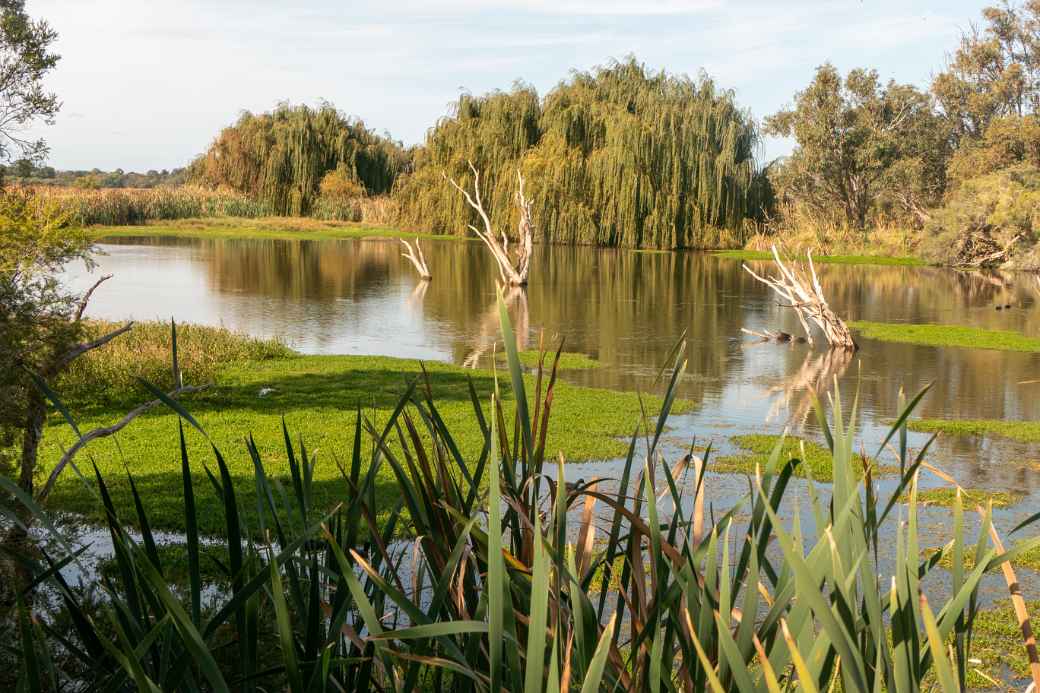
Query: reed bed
x=144 y=352
x=489 y=575
x=129 y=206
x=136 y=206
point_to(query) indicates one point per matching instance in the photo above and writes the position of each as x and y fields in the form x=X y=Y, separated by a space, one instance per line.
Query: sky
x=147 y=84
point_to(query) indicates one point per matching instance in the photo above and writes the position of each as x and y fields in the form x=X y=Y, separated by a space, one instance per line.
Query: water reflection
x=624 y=308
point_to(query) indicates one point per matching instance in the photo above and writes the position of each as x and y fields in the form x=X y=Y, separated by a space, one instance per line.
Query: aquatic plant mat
x=946 y=336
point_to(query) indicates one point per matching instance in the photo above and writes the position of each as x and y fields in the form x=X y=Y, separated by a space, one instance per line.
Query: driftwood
x=771 y=336
x=418 y=260
x=804 y=294
x=513 y=267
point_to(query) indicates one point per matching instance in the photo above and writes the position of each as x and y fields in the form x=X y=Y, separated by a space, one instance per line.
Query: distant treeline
x=616 y=156
x=25 y=172
x=624 y=156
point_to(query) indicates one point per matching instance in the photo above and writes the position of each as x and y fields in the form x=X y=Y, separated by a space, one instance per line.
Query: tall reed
x=480 y=575
x=126 y=206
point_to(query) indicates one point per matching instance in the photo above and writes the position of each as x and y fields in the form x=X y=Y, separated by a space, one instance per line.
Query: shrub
x=144 y=352
x=993 y=219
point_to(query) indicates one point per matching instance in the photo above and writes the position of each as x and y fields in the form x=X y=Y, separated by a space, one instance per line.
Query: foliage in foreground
x=494 y=589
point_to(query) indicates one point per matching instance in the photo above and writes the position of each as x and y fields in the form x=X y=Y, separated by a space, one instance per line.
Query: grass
x=318 y=396
x=1021 y=431
x=110 y=374
x=947 y=336
x=759 y=446
x=945 y=497
x=824 y=259
x=275 y=228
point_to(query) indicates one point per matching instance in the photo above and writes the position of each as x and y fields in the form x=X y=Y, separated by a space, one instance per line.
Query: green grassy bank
x=275 y=228
x=318 y=397
x=825 y=259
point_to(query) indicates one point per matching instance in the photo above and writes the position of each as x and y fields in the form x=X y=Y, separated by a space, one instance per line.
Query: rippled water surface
x=626 y=309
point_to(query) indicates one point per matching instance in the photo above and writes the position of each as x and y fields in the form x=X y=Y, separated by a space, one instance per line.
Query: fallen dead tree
x=805 y=296
x=513 y=267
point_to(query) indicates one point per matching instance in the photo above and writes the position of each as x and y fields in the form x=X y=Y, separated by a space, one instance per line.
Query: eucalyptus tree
x=25 y=59
x=995 y=70
x=858 y=140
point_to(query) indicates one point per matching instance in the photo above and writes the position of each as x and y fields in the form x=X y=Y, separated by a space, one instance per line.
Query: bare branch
x=512 y=271
x=66 y=459
x=80 y=349
x=415 y=255
x=86 y=297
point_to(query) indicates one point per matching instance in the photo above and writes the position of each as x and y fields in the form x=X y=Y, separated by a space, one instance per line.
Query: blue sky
x=148 y=83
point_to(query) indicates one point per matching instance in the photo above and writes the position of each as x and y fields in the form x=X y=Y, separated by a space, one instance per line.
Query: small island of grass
x=946 y=336
x=945 y=496
x=816 y=459
x=1021 y=431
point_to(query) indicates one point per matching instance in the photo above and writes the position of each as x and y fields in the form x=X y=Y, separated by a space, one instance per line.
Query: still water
x=624 y=308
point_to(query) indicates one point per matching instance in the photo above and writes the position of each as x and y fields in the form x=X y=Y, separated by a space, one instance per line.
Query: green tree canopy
x=619 y=155
x=860 y=142
x=25 y=59
x=281 y=157
x=994 y=72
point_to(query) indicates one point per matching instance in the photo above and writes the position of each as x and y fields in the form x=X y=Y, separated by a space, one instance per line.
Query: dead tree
x=804 y=294
x=513 y=267
x=418 y=260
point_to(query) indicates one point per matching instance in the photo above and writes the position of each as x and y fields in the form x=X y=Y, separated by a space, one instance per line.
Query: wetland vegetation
x=347 y=477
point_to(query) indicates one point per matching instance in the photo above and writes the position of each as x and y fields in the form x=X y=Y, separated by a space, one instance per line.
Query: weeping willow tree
x=616 y=156
x=281 y=157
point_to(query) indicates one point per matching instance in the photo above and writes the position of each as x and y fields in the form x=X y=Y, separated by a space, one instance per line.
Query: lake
x=624 y=308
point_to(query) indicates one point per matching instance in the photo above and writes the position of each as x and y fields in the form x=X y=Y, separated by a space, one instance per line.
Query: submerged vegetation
x=946 y=336
x=494 y=586
x=883 y=260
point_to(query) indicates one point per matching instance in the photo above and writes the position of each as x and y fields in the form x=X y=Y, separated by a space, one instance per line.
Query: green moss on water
x=318 y=396
x=998 y=645
x=759 y=447
x=946 y=336
x=824 y=259
x=945 y=497
x=1022 y=431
